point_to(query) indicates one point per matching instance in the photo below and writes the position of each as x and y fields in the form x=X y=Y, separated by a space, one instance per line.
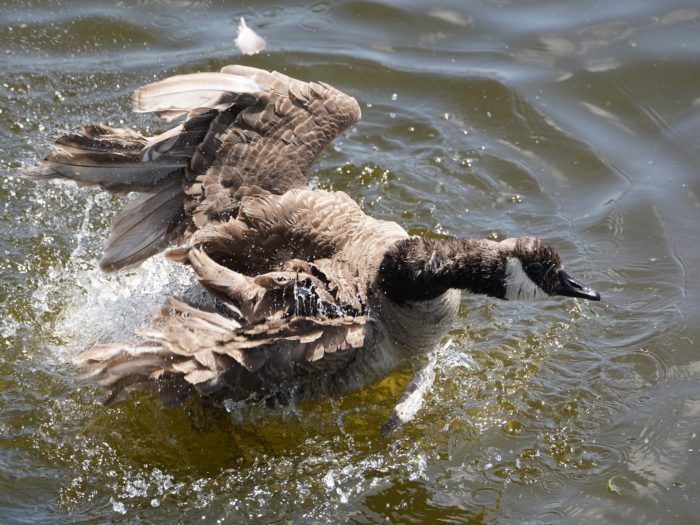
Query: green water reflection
x=573 y=121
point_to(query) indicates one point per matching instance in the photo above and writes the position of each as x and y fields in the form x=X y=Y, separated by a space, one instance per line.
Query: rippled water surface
x=573 y=121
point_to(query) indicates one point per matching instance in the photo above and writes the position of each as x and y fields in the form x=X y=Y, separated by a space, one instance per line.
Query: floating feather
x=248 y=41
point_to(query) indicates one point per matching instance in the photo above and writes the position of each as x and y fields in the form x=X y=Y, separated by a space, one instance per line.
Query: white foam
x=109 y=307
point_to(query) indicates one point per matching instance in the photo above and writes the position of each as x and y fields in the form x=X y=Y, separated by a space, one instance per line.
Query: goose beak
x=572 y=288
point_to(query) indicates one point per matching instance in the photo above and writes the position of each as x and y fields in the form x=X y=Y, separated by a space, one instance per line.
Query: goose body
x=314 y=297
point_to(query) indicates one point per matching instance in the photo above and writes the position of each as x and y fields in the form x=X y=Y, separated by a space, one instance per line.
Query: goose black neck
x=419 y=269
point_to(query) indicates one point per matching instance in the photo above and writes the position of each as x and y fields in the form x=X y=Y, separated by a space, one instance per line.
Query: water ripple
x=552 y=119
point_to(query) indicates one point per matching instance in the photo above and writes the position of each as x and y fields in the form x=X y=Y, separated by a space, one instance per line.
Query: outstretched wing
x=246 y=131
x=267 y=130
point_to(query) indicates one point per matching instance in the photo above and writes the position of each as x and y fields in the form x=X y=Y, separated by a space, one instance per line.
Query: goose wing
x=281 y=330
x=266 y=129
x=246 y=131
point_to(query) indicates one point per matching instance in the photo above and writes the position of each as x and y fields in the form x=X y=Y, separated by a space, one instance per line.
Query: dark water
x=573 y=121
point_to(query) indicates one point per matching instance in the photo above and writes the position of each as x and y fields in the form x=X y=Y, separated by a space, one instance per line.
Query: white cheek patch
x=518 y=284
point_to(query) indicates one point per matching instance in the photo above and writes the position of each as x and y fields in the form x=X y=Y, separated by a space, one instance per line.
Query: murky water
x=573 y=121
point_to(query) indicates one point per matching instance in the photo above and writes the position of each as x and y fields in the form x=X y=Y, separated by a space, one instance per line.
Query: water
x=573 y=121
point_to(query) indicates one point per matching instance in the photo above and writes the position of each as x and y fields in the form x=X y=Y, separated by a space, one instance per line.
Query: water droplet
x=394 y=96
x=118 y=506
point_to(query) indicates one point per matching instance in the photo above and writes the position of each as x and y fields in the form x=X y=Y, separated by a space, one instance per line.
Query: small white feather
x=248 y=41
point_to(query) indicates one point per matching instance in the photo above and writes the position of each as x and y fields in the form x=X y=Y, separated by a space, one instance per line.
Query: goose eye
x=534 y=269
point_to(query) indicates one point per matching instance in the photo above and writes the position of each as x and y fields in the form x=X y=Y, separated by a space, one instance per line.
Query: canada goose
x=314 y=296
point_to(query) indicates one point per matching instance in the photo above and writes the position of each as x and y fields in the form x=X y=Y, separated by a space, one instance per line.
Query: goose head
x=516 y=268
x=534 y=269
